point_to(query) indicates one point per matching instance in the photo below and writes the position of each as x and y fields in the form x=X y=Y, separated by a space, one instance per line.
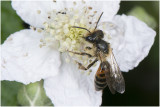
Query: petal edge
x=24 y=61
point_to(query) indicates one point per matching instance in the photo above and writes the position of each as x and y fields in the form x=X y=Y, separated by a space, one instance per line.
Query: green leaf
x=142 y=15
x=10 y=21
x=9 y=90
x=33 y=95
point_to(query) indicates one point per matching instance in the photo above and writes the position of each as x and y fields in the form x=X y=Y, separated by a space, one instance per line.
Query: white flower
x=29 y=56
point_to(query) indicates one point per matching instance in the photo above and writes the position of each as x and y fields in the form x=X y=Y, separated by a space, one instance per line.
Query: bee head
x=95 y=37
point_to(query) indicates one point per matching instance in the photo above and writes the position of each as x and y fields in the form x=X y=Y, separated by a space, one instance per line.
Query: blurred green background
x=142 y=83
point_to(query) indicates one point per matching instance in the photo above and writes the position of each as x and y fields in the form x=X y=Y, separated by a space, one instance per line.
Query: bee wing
x=117 y=79
x=105 y=69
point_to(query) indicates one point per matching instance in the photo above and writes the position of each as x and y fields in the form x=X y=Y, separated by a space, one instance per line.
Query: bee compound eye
x=89 y=38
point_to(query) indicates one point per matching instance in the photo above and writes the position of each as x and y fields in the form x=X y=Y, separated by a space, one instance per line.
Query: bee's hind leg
x=86 y=68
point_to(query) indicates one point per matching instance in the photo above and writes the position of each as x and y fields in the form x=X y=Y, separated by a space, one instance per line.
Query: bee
x=108 y=73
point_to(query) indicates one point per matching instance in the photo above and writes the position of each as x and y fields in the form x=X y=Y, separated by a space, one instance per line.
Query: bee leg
x=81 y=66
x=86 y=68
x=82 y=53
x=91 y=64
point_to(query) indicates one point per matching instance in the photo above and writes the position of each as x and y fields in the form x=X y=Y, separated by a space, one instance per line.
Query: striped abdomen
x=100 y=79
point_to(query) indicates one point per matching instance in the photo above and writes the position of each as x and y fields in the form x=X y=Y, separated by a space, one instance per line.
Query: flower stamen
x=60 y=28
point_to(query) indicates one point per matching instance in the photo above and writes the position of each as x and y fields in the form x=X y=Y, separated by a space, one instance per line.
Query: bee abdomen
x=100 y=82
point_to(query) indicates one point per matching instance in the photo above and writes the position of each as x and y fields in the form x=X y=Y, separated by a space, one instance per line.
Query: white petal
x=110 y=8
x=72 y=88
x=24 y=61
x=131 y=48
x=28 y=10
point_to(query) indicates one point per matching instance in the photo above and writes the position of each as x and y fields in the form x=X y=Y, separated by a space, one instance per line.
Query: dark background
x=142 y=83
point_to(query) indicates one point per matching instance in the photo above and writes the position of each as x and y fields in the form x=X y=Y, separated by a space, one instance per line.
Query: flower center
x=59 y=30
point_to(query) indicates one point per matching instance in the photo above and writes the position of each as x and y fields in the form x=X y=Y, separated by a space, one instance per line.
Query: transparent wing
x=117 y=79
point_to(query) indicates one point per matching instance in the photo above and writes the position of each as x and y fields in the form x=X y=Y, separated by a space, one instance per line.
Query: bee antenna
x=98 y=20
x=80 y=28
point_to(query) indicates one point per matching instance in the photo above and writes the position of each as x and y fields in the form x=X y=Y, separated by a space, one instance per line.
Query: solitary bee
x=108 y=72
